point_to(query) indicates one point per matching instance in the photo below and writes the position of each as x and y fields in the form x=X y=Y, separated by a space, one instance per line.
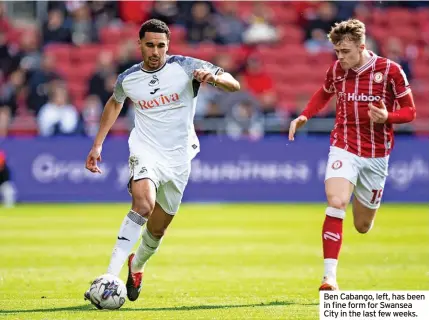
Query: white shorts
x=368 y=175
x=170 y=182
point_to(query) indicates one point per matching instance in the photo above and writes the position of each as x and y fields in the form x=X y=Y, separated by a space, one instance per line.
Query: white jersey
x=165 y=101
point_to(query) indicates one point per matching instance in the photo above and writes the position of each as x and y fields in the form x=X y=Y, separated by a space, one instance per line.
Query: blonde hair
x=352 y=29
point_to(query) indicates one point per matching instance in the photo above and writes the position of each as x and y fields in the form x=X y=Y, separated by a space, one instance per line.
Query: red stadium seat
x=64 y=69
x=422 y=16
x=408 y=34
x=130 y=32
x=85 y=53
x=23 y=126
x=284 y=13
x=61 y=52
x=178 y=33
x=399 y=16
x=77 y=89
x=238 y=53
x=110 y=35
x=291 y=34
x=181 y=49
x=421 y=70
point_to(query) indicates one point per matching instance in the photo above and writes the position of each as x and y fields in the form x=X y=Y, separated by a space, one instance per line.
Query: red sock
x=332 y=237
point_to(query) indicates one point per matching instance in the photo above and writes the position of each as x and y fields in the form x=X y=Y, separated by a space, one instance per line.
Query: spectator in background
x=206 y=95
x=104 y=13
x=230 y=27
x=133 y=11
x=209 y=115
x=91 y=115
x=4 y=23
x=200 y=25
x=259 y=83
x=318 y=42
x=395 y=52
x=372 y=45
x=7 y=189
x=26 y=57
x=83 y=29
x=58 y=116
x=345 y=9
x=244 y=120
x=126 y=57
x=8 y=62
x=9 y=94
x=97 y=83
x=325 y=18
x=260 y=27
x=29 y=54
x=54 y=30
x=40 y=82
x=166 y=11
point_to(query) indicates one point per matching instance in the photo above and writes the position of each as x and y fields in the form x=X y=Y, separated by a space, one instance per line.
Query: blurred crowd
x=57 y=72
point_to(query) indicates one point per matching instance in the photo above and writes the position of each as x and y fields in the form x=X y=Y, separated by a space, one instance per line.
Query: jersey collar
x=369 y=63
x=153 y=71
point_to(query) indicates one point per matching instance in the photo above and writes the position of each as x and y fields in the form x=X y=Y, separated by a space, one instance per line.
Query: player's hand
x=91 y=161
x=203 y=75
x=296 y=124
x=378 y=114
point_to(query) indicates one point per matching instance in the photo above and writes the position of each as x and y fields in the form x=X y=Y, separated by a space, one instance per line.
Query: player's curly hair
x=154 y=25
x=351 y=29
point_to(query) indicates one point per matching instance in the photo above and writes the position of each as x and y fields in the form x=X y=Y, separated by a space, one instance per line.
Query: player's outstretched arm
x=223 y=80
x=110 y=114
x=317 y=102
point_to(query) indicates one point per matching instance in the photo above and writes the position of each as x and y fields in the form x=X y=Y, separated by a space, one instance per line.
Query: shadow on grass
x=181 y=308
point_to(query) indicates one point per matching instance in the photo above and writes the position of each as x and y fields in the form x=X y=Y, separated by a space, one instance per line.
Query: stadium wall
x=269 y=170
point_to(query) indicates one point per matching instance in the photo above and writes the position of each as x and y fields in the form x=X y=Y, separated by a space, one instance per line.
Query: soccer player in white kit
x=164 y=90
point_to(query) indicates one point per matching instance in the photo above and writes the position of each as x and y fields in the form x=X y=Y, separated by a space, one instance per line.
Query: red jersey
x=380 y=79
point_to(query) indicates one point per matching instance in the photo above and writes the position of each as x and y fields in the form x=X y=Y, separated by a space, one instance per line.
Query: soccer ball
x=107 y=292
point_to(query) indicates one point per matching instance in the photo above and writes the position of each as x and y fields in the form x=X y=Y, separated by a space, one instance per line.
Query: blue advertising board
x=269 y=170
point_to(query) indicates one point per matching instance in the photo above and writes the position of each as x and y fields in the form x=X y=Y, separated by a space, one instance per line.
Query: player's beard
x=154 y=62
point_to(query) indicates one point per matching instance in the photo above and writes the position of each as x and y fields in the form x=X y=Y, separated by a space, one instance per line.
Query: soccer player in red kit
x=372 y=93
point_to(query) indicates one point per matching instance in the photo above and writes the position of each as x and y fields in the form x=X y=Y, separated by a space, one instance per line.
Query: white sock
x=331 y=268
x=146 y=249
x=9 y=194
x=128 y=236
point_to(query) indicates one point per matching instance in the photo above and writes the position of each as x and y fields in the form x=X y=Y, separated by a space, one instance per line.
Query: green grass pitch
x=241 y=261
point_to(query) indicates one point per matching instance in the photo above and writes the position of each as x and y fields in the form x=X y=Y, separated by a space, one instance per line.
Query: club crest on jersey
x=337 y=164
x=378 y=77
x=159 y=101
x=154 y=81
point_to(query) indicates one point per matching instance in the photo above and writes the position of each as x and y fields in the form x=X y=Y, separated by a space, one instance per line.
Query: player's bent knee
x=337 y=202
x=143 y=207
x=363 y=227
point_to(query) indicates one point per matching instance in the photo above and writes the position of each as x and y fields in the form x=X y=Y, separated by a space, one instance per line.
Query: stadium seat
x=291 y=34
x=400 y=17
x=61 y=52
x=86 y=53
x=422 y=16
x=23 y=125
x=421 y=70
x=178 y=33
x=111 y=35
x=130 y=32
x=284 y=14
